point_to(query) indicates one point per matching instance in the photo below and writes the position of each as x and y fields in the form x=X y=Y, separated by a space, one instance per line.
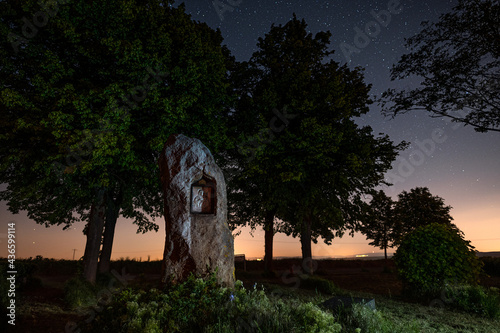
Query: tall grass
x=474 y=299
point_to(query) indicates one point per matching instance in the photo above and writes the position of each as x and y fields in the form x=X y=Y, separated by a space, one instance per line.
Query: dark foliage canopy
x=89 y=93
x=417 y=208
x=301 y=154
x=457 y=61
x=378 y=223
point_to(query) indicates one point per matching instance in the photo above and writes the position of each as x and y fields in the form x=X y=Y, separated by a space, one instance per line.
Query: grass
x=432 y=319
x=392 y=315
x=395 y=315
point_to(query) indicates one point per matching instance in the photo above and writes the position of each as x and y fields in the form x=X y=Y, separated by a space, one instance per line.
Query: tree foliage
x=88 y=98
x=306 y=159
x=417 y=208
x=378 y=222
x=434 y=255
x=457 y=61
x=386 y=222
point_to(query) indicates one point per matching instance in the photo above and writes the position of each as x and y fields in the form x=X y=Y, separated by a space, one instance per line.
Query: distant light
x=259 y=259
x=361 y=255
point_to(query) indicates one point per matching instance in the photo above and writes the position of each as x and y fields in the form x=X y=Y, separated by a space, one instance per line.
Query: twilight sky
x=453 y=161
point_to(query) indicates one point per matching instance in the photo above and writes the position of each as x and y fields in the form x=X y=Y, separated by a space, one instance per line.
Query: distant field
x=488 y=254
x=370 y=256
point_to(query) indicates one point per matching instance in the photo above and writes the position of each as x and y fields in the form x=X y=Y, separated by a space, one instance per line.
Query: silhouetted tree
x=378 y=222
x=458 y=62
x=419 y=208
x=307 y=163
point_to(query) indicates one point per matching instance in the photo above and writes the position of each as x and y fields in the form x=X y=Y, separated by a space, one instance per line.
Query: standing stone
x=198 y=238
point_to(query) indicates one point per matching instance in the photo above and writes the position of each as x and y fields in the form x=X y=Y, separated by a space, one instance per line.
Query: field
x=41 y=304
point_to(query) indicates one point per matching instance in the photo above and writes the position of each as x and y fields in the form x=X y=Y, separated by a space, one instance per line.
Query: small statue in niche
x=203 y=197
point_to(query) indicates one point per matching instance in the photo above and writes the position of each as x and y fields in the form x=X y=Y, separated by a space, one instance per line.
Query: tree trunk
x=112 y=210
x=268 y=241
x=386 y=241
x=305 y=241
x=107 y=242
x=94 y=237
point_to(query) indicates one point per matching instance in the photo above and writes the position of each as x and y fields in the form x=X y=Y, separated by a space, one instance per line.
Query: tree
x=248 y=202
x=457 y=60
x=419 y=208
x=434 y=255
x=329 y=198
x=89 y=94
x=307 y=160
x=378 y=223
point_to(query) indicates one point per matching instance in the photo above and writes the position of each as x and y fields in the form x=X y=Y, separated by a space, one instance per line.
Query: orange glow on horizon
x=478 y=217
x=55 y=243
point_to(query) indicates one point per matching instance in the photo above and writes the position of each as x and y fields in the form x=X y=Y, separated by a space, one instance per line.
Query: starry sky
x=454 y=162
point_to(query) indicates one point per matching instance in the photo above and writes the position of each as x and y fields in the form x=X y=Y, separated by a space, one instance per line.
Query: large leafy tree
x=457 y=61
x=418 y=208
x=307 y=161
x=90 y=91
x=251 y=184
x=328 y=197
x=378 y=221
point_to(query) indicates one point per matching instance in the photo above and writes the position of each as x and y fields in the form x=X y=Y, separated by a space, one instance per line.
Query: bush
x=474 y=299
x=79 y=293
x=432 y=256
x=200 y=305
x=319 y=284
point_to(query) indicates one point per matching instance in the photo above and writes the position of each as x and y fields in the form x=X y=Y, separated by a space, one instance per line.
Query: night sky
x=460 y=165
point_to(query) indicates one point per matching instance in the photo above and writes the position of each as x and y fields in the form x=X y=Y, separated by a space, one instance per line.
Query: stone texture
x=198 y=243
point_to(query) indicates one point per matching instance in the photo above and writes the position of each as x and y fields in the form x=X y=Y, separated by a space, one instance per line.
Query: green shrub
x=319 y=284
x=200 y=305
x=312 y=319
x=79 y=293
x=474 y=299
x=491 y=305
x=432 y=256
